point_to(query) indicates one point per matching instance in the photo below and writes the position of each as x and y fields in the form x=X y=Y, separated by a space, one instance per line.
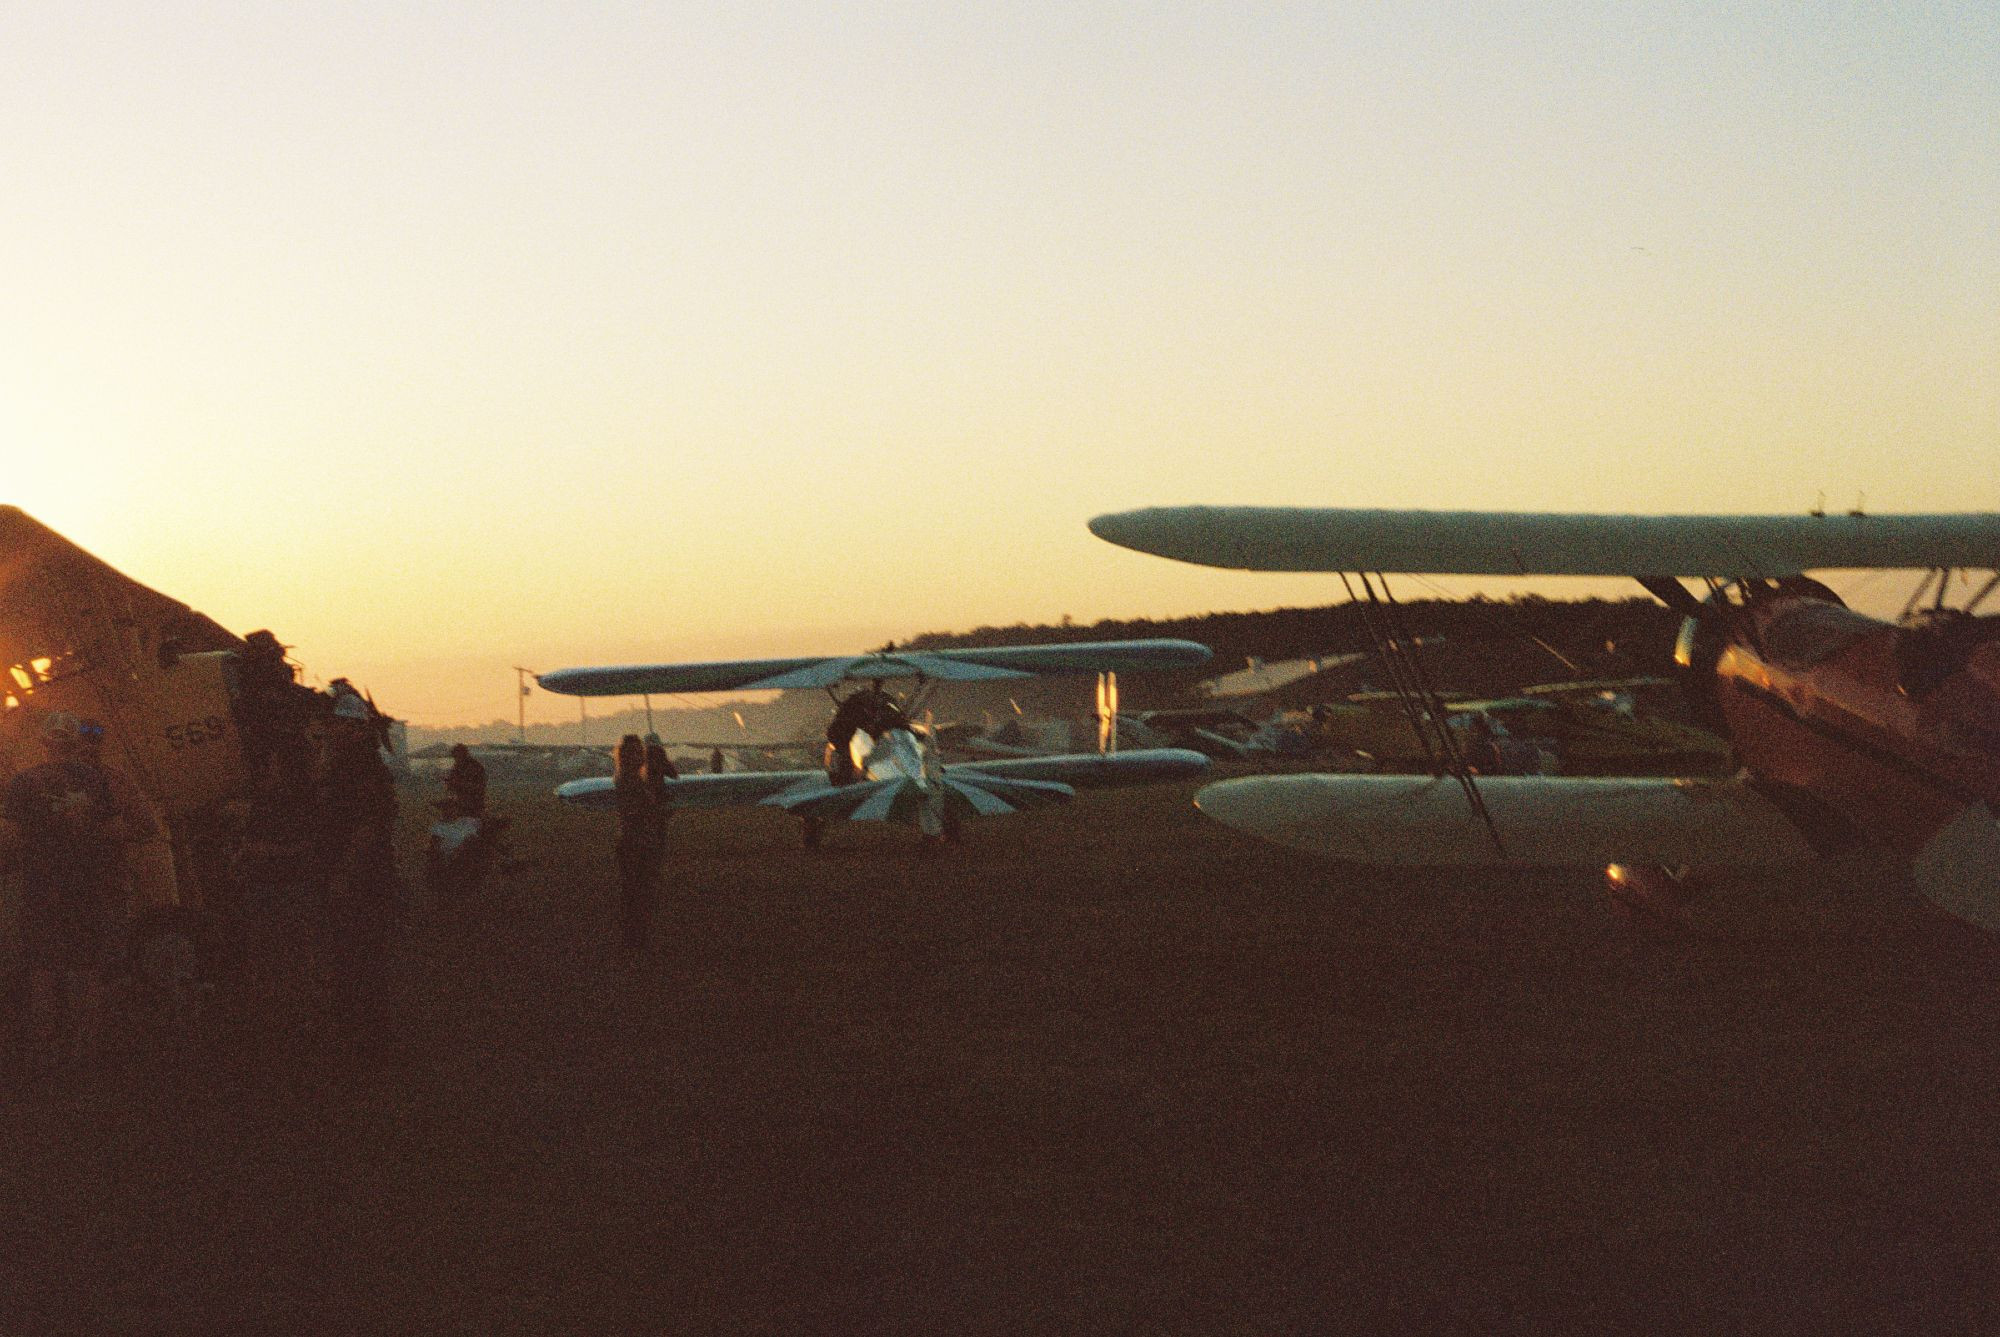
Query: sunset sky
x=442 y=338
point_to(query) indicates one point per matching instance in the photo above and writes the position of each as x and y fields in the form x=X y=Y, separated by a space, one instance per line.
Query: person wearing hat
x=271 y=706
x=69 y=825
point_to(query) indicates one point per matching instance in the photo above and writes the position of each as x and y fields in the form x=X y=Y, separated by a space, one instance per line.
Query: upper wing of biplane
x=968 y=665
x=1284 y=538
x=40 y=570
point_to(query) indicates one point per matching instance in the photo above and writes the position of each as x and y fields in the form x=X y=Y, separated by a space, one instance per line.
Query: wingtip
x=1118 y=527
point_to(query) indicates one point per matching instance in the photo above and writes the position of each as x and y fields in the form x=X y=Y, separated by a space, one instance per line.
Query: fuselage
x=1896 y=729
x=898 y=754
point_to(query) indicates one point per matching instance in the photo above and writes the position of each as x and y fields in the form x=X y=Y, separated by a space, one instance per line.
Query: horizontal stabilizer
x=967 y=665
x=1505 y=543
x=1542 y=821
x=992 y=795
x=868 y=800
x=901 y=799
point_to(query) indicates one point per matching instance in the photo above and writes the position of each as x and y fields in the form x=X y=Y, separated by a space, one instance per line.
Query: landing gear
x=455 y=881
x=1652 y=893
x=815 y=827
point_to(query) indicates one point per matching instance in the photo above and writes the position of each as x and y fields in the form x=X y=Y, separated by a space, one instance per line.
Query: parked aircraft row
x=1853 y=732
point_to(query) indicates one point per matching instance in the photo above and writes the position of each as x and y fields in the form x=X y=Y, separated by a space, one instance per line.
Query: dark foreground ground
x=1104 y=1069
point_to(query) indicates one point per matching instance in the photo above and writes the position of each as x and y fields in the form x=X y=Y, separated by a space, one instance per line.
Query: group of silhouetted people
x=641 y=769
x=97 y=877
x=317 y=831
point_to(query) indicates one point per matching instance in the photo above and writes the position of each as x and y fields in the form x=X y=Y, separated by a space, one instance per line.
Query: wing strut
x=1943 y=578
x=1673 y=594
x=1422 y=706
x=1972 y=604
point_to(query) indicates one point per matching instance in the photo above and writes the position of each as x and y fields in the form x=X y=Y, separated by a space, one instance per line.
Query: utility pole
x=521 y=703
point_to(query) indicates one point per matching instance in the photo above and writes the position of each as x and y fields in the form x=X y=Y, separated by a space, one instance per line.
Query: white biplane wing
x=967 y=665
x=1499 y=543
x=1541 y=821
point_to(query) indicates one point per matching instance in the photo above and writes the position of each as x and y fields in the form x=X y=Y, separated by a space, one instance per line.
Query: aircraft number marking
x=194 y=733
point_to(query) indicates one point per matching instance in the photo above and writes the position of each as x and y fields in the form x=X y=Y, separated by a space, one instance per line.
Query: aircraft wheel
x=815 y=827
x=1650 y=892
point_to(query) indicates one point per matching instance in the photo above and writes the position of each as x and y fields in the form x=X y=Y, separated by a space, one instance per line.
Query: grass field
x=1103 y=1068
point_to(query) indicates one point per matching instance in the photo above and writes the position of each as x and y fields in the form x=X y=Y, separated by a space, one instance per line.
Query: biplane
x=881 y=763
x=1853 y=733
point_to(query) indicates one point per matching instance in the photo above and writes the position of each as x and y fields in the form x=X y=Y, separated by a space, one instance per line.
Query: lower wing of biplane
x=1851 y=730
x=1530 y=820
x=965 y=789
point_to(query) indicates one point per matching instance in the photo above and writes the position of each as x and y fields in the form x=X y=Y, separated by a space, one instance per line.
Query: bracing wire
x=1385 y=652
x=1433 y=706
x=1422 y=705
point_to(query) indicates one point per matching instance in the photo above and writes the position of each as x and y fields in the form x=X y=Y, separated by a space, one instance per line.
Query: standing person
x=68 y=818
x=660 y=768
x=277 y=880
x=638 y=848
x=146 y=875
x=356 y=855
x=271 y=707
x=466 y=781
